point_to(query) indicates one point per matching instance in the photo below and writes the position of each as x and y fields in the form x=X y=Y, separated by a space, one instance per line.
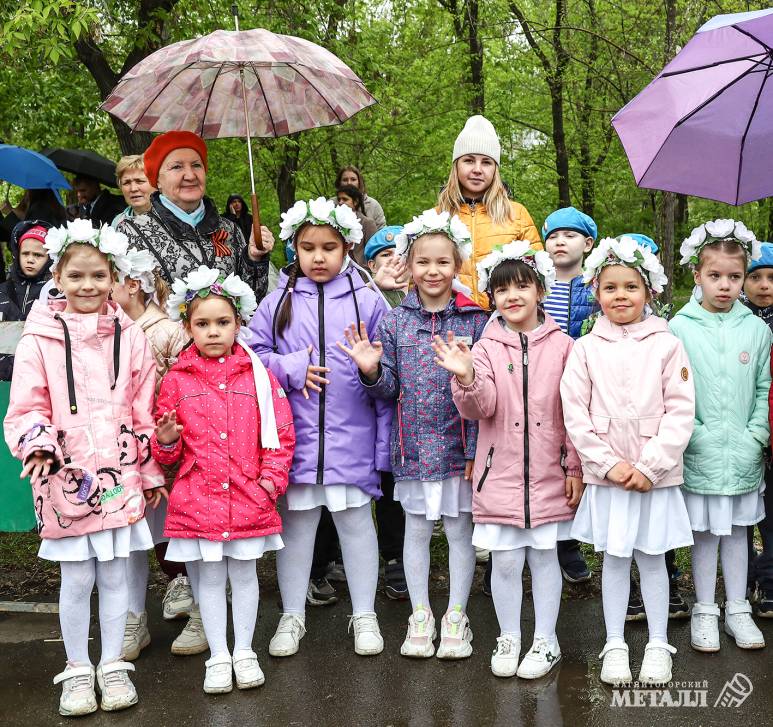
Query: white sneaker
x=367 y=635
x=656 y=665
x=192 y=639
x=704 y=627
x=455 y=635
x=218 y=678
x=247 y=670
x=78 y=696
x=288 y=635
x=482 y=555
x=540 y=659
x=421 y=633
x=117 y=689
x=178 y=599
x=615 y=668
x=135 y=636
x=504 y=660
x=739 y=625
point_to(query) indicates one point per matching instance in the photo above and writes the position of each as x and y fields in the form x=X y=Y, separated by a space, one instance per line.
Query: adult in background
x=134 y=186
x=352 y=176
x=94 y=203
x=236 y=211
x=353 y=198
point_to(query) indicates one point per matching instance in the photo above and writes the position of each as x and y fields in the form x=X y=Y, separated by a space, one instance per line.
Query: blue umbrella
x=28 y=169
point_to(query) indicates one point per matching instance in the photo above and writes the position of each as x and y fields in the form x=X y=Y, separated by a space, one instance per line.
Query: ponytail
x=284 y=311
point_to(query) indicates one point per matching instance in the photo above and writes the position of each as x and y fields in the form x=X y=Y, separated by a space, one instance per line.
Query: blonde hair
x=128 y=163
x=495 y=199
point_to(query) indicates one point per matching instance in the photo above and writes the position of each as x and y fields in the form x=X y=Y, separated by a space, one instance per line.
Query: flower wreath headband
x=537 y=260
x=431 y=221
x=625 y=251
x=716 y=231
x=205 y=281
x=112 y=243
x=320 y=211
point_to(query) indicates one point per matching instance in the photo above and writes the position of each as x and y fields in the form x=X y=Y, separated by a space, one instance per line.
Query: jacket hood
x=227 y=212
x=651 y=325
x=338 y=287
x=41 y=320
x=152 y=315
x=497 y=332
x=696 y=312
x=459 y=303
x=13 y=246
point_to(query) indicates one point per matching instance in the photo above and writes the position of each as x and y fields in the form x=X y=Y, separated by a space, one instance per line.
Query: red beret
x=165 y=144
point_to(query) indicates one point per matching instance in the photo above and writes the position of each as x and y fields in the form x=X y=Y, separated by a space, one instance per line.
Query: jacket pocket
x=747 y=456
x=249 y=469
x=649 y=426
x=600 y=424
x=74 y=493
x=489 y=459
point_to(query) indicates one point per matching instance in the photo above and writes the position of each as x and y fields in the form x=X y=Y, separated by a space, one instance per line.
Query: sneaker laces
x=79 y=683
x=195 y=626
x=116 y=679
x=363 y=623
x=133 y=624
x=176 y=587
x=505 y=645
x=290 y=623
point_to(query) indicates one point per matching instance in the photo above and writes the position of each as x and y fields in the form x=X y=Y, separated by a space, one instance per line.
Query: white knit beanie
x=478 y=137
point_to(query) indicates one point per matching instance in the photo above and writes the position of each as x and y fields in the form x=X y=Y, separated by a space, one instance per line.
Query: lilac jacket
x=342 y=435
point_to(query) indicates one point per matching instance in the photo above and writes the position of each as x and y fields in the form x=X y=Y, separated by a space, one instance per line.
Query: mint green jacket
x=730 y=358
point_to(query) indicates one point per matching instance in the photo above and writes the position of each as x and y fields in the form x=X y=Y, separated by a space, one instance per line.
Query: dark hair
x=730 y=247
x=198 y=299
x=355 y=194
x=85 y=178
x=284 y=311
x=512 y=271
x=352 y=168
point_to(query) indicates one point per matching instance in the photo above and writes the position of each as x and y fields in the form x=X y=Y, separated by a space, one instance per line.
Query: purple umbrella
x=704 y=125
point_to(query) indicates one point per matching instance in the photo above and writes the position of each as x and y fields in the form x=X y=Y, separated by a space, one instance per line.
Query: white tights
x=735 y=558
x=137 y=576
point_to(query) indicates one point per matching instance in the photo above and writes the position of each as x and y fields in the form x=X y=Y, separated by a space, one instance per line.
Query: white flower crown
x=521 y=250
x=112 y=243
x=137 y=265
x=625 y=251
x=321 y=211
x=206 y=281
x=717 y=230
x=431 y=221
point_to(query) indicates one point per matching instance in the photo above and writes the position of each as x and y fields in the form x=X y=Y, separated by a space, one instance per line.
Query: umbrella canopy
x=704 y=125
x=82 y=161
x=28 y=169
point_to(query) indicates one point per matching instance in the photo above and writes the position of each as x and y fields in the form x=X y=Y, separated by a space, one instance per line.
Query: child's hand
x=154 y=497
x=454 y=357
x=638 y=482
x=574 y=490
x=313 y=378
x=620 y=473
x=468 y=467
x=364 y=353
x=392 y=275
x=168 y=431
x=37 y=466
x=268 y=486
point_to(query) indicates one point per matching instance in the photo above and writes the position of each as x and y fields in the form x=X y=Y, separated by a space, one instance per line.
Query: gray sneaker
x=320 y=593
x=192 y=640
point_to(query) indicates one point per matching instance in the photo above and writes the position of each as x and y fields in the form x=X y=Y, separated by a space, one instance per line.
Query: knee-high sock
x=244 y=601
x=137 y=575
x=359 y=549
x=461 y=558
x=192 y=569
x=213 y=604
x=75 y=608
x=418 y=533
x=704 y=566
x=653 y=580
x=546 y=585
x=113 y=591
x=735 y=561
x=293 y=562
x=615 y=589
x=507 y=588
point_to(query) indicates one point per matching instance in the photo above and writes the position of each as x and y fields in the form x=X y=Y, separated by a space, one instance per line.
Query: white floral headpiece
x=137 y=265
x=716 y=231
x=521 y=250
x=112 y=243
x=625 y=251
x=321 y=211
x=431 y=221
x=206 y=281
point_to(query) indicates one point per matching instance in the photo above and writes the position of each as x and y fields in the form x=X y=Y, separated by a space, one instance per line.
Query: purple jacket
x=342 y=434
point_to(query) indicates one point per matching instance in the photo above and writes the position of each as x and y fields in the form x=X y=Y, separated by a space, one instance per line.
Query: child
x=432 y=447
x=228 y=423
x=729 y=348
x=80 y=418
x=342 y=436
x=380 y=255
x=629 y=404
x=528 y=485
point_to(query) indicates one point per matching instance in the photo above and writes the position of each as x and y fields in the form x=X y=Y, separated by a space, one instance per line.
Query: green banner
x=16 y=510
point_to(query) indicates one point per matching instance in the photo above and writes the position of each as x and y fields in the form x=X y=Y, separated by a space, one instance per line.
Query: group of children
x=640 y=437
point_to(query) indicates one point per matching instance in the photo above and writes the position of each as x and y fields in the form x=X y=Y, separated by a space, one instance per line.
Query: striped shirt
x=557 y=304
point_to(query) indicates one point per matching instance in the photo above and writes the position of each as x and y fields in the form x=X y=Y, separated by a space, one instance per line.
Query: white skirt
x=718 y=513
x=493 y=536
x=620 y=521
x=103 y=545
x=184 y=550
x=333 y=497
x=446 y=497
x=156 y=520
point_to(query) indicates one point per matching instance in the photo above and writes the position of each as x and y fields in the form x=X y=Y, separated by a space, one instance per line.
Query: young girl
x=432 y=447
x=227 y=421
x=342 y=435
x=527 y=472
x=729 y=348
x=629 y=403
x=80 y=419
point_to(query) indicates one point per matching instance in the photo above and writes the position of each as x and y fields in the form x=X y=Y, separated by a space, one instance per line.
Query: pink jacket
x=523 y=455
x=216 y=494
x=628 y=395
x=83 y=390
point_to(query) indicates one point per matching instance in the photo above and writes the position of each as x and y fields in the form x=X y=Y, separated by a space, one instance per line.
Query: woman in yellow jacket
x=475 y=192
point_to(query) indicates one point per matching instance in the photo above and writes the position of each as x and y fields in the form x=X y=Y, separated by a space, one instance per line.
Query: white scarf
x=269 y=437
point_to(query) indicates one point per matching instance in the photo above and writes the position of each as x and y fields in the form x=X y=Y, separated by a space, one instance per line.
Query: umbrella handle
x=256 y=221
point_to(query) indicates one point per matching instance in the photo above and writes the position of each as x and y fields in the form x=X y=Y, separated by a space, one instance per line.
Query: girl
x=528 y=486
x=342 y=435
x=432 y=447
x=80 y=418
x=730 y=350
x=629 y=403
x=227 y=421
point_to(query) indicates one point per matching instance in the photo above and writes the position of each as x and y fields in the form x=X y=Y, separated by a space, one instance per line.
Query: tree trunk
x=285 y=180
x=559 y=143
x=475 y=48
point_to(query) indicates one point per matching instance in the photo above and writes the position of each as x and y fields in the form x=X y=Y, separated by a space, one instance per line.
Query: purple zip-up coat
x=342 y=434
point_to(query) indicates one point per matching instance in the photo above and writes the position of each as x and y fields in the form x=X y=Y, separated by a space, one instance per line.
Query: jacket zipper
x=569 y=310
x=489 y=457
x=321 y=420
x=525 y=371
x=474 y=268
x=26 y=295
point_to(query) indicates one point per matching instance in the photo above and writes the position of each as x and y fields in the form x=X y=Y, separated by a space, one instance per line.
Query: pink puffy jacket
x=523 y=455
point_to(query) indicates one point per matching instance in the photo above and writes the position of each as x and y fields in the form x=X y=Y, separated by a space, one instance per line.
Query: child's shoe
x=455 y=635
x=656 y=665
x=117 y=689
x=704 y=627
x=739 y=625
x=367 y=635
x=504 y=660
x=178 y=599
x=192 y=639
x=677 y=608
x=765 y=604
x=320 y=593
x=217 y=679
x=135 y=636
x=540 y=659
x=395 y=587
x=615 y=667
x=635 y=611
x=247 y=670
x=421 y=633
x=288 y=635
x=78 y=696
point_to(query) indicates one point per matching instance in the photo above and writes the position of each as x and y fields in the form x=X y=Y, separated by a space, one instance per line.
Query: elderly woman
x=134 y=185
x=183 y=229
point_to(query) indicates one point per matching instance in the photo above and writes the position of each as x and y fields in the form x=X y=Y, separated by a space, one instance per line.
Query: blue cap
x=569 y=218
x=382 y=240
x=643 y=240
x=766 y=261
